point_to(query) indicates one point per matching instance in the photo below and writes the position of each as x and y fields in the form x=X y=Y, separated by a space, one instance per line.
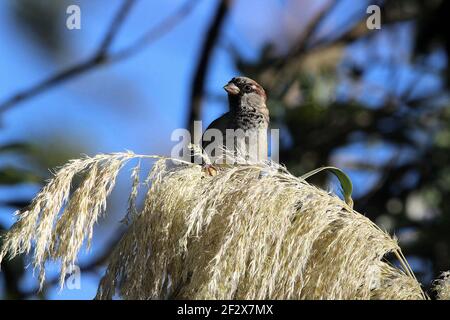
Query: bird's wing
x=222 y=123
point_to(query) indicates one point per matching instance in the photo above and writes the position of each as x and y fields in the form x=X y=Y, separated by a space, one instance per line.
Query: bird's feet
x=209 y=170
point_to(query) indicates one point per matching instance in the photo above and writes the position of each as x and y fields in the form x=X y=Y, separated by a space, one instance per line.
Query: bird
x=248 y=118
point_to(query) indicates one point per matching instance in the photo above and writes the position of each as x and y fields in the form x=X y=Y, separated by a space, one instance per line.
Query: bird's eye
x=248 y=88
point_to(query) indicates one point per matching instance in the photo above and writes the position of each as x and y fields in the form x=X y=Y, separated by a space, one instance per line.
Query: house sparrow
x=248 y=112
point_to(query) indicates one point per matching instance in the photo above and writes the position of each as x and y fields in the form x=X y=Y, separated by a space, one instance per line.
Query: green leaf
x=346 y=183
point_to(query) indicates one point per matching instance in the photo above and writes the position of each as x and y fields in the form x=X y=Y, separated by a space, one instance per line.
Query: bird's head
x=244 y=92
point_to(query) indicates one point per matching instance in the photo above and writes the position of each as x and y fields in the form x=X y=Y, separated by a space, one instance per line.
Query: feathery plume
x=253 y=231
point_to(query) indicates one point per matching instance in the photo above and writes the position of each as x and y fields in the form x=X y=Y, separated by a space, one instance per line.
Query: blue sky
x=137 y=103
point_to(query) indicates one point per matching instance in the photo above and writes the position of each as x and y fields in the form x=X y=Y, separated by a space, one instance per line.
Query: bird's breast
x=250 y=120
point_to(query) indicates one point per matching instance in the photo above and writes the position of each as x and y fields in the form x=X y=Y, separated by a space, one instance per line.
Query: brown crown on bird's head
x=240 y=86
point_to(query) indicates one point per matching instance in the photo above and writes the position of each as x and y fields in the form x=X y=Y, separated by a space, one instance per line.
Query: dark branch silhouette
x=102 y=56
x=118 y=20
x=201 y=71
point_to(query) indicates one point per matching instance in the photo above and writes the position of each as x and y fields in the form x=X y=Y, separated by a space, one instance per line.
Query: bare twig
x=303 y=44
x=157 y=32
x=311 y=29
x=115 y=26
x=58 y=78
x=198 y=82
x=308 y=45
x=101 y=56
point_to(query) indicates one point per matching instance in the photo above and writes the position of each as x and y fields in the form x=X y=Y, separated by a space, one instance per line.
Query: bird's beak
x=231 y=88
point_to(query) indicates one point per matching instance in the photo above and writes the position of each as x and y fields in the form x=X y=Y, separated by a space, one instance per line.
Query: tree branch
x=101 y=56
x=310 y=30
x=157 y=32
x=115 y=26
x=303 y=44
x=198 y=81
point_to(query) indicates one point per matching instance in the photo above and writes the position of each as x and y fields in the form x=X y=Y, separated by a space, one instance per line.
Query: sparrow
x=247 y=112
